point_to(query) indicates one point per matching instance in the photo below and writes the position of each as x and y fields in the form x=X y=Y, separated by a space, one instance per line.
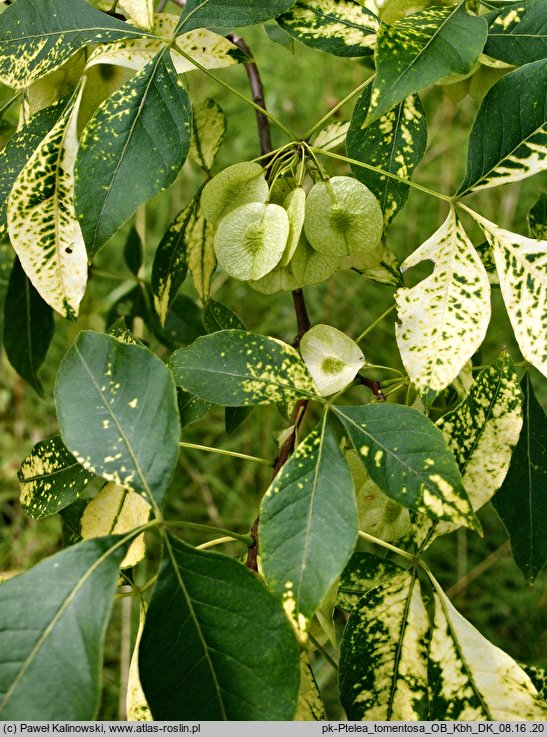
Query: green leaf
x=471 y=679
x=308 y=524
x=276 y=34
x=364 y=572
x=339 y=27
x=522 y=269
x=216 y=645
x=208 y=132
x=481 y=433
x=443 y=319
x=133 y=251
x=60 y=606
x=234 y=417
x=130 y=434
x=51 y=478
x=18 y=151
x=191 y=408
x=71 y=518
x=383 y=656
x=217 y=316
x=133 y=148
x=537 y=218
x=508 y=142
x=237 y=368
x=518 y=34
x=170 y=267
x=409 y=459
x=395 y=143
x=42 y=223
x=28 y=327
x=420 y=49
x=521 y=502
x=40 y=35
x=219 y=14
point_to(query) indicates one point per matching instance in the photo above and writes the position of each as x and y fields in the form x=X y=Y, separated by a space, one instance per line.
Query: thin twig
x=478 y=570
x=302 y=318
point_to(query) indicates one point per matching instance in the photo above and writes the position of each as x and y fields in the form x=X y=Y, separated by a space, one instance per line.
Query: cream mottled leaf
x=537 y=218
x=130 y=434
x=238 y=368
x=140 y=12
x=308 y=524
x=443 y=319
x=383 y=656
x=133 y=148
x=113 y=511
x=395 y=142
x=42 y=223
x=208 y=132
x=522 y=269
x=208 y=49
x=170 y=266
x=418 y=50
x=473 y=680
x=481 y=433
x=409 y=459
x=521 y=502
x=364 y=572
x=518 y=34
x=200 y=250
x=339 y=27
x=310 y=705
x=509 y=142
x=332 y=135
x=40 y=35
x=51 y=478
x=18 y=151
x=136 y=706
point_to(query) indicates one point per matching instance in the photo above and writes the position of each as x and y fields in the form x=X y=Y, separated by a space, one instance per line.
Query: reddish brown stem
x=374 y=386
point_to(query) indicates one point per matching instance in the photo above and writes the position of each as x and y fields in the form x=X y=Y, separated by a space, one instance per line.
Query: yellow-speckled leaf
x=332 y=135
x=170 y=266
x=207 y=133
x=418 y=50
x=481 y=433
x=141 y=12
x=208 y=49
x=339 y=27
x=116 y=510
x=42 y=223
x=522 y=269
x=310 y=705
x=51 y=478
x=199 y=235
x=383 y=657
x=443 y=319
x=40 y=35
x=136 y=706
x=472 y=679
x=364 y=572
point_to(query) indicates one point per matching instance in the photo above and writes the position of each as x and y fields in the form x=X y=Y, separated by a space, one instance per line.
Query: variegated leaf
x=117 y=168
x=364 y=572
x=537 y=218
x=509 y=142
x=222 y=14
x=140 y=12
x=519 y=33
x=473 y=680
x=383 y=657
x=208 y=49
x=18 y=151
x=418 y=50
x=522 y=269
x=200 y=250
x=40 y=35
x=51 y=478
x=136 y=706
x=332 y=135
x=42 y=223
x=481 y=433
x=170 y=268
x=310 y=705
x=395 y=142
x=443 y=318
x=208 y=132
x=339 y=27
x=113 y=511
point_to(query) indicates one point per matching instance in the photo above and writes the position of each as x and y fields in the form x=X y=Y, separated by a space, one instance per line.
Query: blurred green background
x=301 y=86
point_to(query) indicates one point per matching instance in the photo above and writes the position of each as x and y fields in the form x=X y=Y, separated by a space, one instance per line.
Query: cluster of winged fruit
x=281 y=237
